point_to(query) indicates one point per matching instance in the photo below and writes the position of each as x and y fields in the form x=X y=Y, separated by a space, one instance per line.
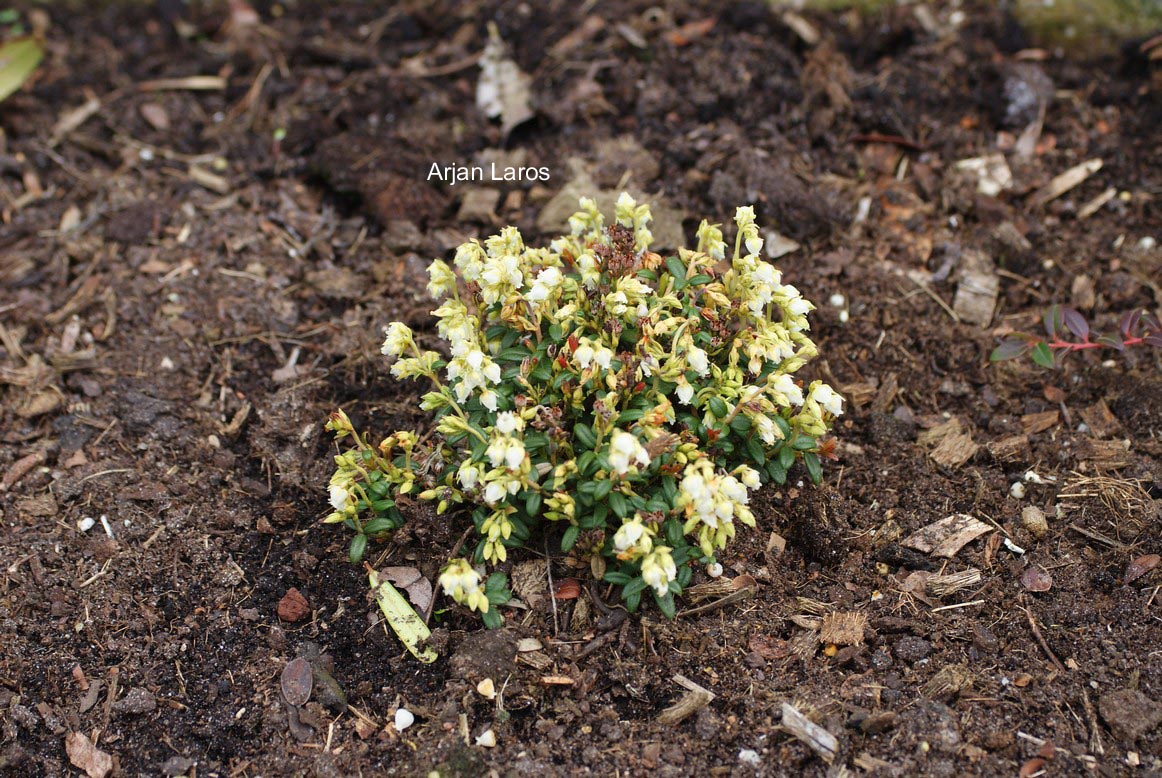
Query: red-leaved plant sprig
x=1136 y=328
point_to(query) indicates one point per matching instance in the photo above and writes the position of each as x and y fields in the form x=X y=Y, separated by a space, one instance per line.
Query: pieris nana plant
x=626 y=404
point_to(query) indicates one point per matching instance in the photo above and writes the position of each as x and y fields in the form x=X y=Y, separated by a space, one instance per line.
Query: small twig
x=552 y=593
x=939 y=301
x=1100 y=538
x=730 y=599
x=1095 y=744
x=1041 y=639
x=958 y=605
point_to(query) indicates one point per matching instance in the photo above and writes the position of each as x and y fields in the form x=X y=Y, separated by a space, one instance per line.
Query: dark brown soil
x=172 y=342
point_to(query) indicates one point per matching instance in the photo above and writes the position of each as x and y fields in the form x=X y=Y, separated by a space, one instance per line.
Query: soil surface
x=194 y=273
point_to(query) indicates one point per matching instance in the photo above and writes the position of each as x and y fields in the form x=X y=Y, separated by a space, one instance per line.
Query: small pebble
x=86 y=524
x=487 y=739
x=293 y=606
x=750 y=757
x=135 y=702
x=714 y=570
x=911 y=649
x=1017 y=490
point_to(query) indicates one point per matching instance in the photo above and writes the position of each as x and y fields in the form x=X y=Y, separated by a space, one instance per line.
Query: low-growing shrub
x=627 y=403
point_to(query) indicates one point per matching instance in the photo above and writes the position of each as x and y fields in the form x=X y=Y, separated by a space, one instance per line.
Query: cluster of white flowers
x=658 y=570
x=626 y=452
x=633 y=539
x=592 y=352
x=462 y=583
x=712 y=501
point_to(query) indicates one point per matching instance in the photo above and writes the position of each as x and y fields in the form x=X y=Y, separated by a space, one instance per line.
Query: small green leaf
x=814 y=468
x=718 y=407
x=666 y=605
x=584 y=435
x=786 y=457
x=1010 y=348
x=633 y=601
x=601 y=489
x=619 y=504
x=492 y=619
x=569 y=539
x=677 y=270
x=633 y=414
x=377 y=525
x=755 y=448
x=1042 y=354
x=357 y=547
x=616 y=577
x=699 y=279
x=18 y=59
x=805 y=443
x=636 y=586
x=533 y=504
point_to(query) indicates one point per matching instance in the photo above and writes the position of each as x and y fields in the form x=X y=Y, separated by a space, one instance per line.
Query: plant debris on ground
x=207 y=216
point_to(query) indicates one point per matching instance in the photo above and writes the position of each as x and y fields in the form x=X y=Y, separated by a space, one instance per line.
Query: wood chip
x=946 y=537
x=1095 y=205
x=1012 y=450
x=943 y=585
x=1032 y=423
x=886 y=394
x=1064 y=182
x=859 y=393
x=695 y=699
x=1105 y=454
x=955 y=450
x=1139 y=567
x=976 y=294
x=538 y=660
x=814 y=736
x=948 y=682
x=211 y=181
x=1101 y=420
x=843 y=628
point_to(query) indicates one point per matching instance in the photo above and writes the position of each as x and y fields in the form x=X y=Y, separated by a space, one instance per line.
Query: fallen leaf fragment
x=568 y=589
x=407 y=624
x=504 y=90
x=1034 y=579
x=816 y=737
x=1031 y=767
x=85 y=756
x=297 y=681
x=1140 y=566
x=946 y=537
x=18 y=59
